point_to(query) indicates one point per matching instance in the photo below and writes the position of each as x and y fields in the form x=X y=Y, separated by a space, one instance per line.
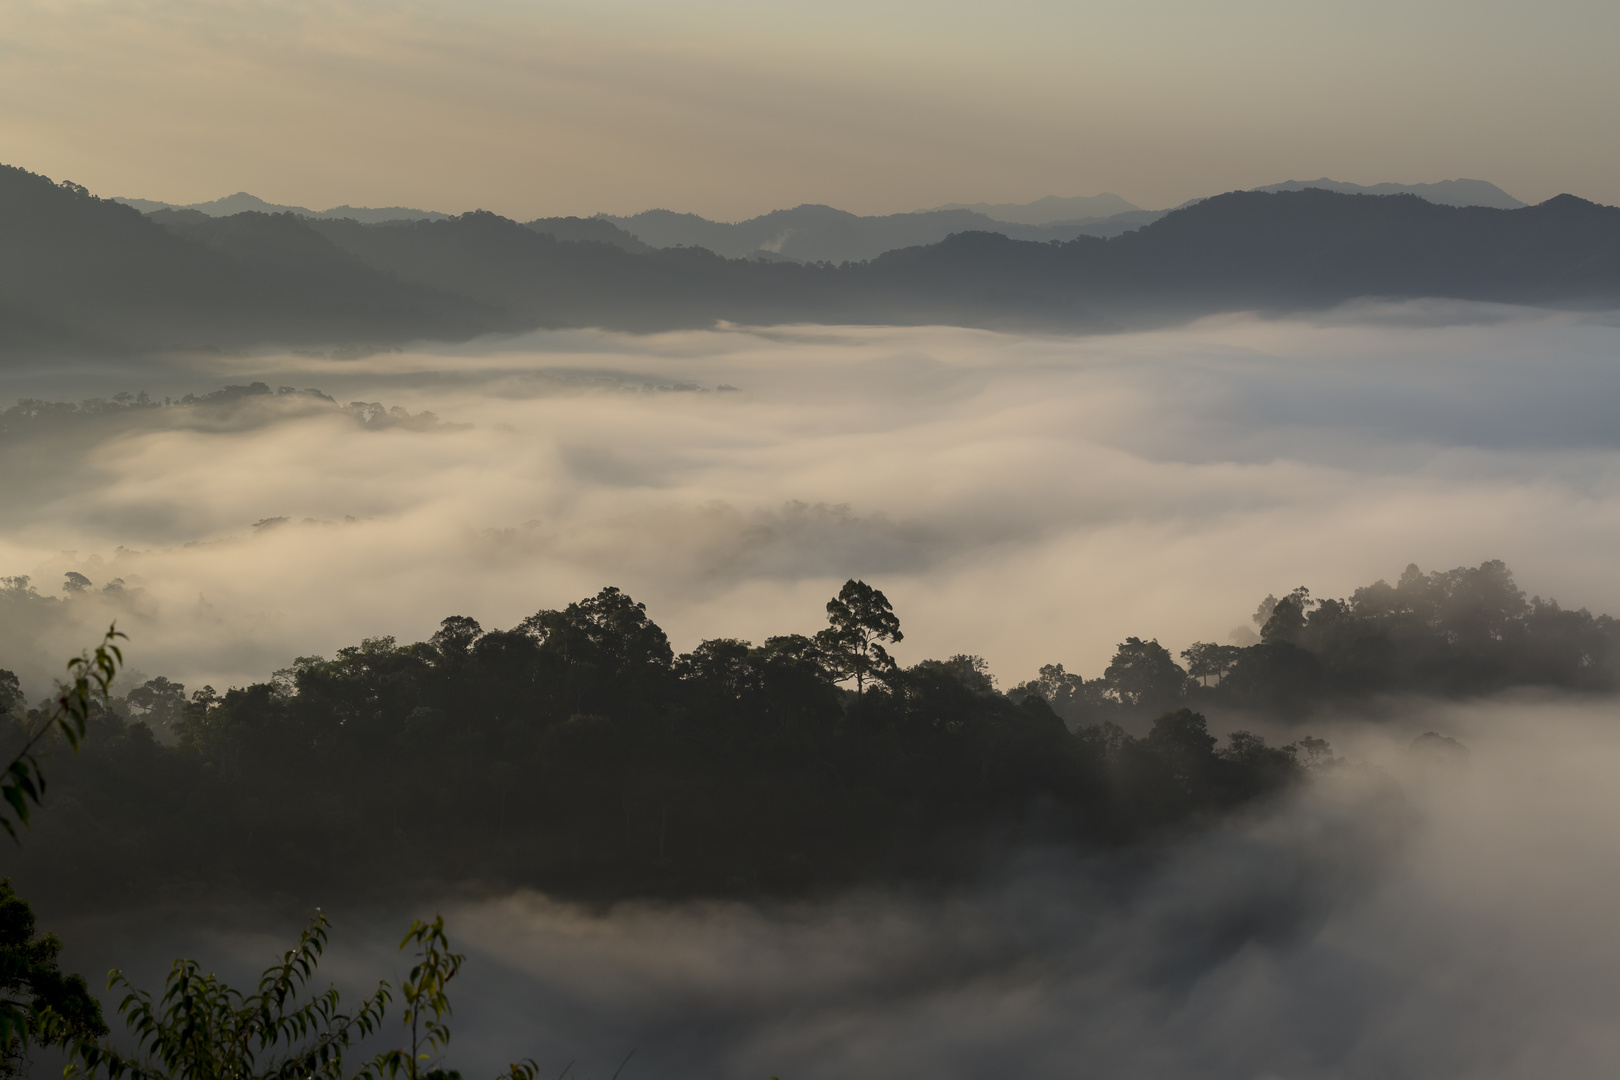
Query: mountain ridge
x=1050 y=209
x=243 y=202
x=84 y=273
x=815 y=232
x=1459 y=192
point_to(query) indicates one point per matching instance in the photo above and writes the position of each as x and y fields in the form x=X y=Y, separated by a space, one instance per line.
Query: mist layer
x=1028 y=499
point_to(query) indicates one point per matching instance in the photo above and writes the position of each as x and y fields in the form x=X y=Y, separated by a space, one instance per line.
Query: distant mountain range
x=815 y=233
x=83 y=273
x=1445 y=192
x=1052 y=210
x=242 y=203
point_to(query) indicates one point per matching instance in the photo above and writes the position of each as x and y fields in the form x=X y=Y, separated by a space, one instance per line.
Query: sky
x=731 y=109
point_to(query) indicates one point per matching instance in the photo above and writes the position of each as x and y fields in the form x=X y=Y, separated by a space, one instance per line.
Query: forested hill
x=85 y=272
x=80 y=271
x=576 y=752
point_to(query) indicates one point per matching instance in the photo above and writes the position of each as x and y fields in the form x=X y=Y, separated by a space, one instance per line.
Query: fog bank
x=1030 y=499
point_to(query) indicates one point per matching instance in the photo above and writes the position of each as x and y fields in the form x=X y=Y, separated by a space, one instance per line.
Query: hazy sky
x=730 y=109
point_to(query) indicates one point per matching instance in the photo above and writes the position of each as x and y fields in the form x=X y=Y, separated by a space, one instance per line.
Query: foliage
x=861 y=620
x=90 y=678
x=1144 y=675
x=37 y=1000
x=40 y=1003
x=577 y=754
x=427 y=1006
x=1470 y=630
x=202 y=1028
x=1457 y=632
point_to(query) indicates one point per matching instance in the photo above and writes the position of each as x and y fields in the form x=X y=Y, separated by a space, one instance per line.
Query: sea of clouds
x=1029 y=499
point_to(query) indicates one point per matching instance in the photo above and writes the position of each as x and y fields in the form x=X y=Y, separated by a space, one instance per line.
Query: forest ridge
x=577 y=753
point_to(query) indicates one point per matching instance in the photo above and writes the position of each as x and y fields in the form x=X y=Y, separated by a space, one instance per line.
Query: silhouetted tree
x=861 y=621
x=1207 y=661
x=1144 y=675
x=54 y=1008
x=1286 y=623
x=1075 y=698
x=455 y=636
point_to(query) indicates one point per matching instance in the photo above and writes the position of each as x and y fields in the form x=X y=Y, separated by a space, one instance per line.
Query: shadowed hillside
x=576 y=752
x=78 y=271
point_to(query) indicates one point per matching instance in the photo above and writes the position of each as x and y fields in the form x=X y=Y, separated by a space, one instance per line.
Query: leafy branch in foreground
x=427 y=1006
x=204 y=1029
x=38 y=1001
x=91 y=674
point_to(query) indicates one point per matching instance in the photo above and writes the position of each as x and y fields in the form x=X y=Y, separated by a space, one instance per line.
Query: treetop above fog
x=1458 y=632
x=579 y=753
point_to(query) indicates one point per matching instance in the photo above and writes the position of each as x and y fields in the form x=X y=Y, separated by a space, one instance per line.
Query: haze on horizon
x=729 y=110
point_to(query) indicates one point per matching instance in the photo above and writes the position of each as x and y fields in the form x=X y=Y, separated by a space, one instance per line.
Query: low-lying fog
x=1405 y=917
x=1028 y=499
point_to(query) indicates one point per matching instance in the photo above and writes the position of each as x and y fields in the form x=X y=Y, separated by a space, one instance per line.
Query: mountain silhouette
x=1445 y=192
x=242 y=202
x=91 y=272
x=815 y=233
x=1052 y=210
x=81 y=272
x=599 y=230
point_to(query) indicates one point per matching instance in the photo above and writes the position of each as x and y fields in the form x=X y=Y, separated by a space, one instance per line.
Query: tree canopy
x=577 y=753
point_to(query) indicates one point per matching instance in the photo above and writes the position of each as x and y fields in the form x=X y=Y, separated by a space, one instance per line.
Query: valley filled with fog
x=1027 y=499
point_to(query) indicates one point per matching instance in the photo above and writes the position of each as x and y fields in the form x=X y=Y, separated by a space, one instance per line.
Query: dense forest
x=1446 y=633
x=88 y=273
x=577 y=753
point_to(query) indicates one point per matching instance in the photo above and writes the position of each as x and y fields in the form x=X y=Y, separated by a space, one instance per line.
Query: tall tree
x=1287 y=619
x=861 y=620
x=1208 y=661
x=1144 y=675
